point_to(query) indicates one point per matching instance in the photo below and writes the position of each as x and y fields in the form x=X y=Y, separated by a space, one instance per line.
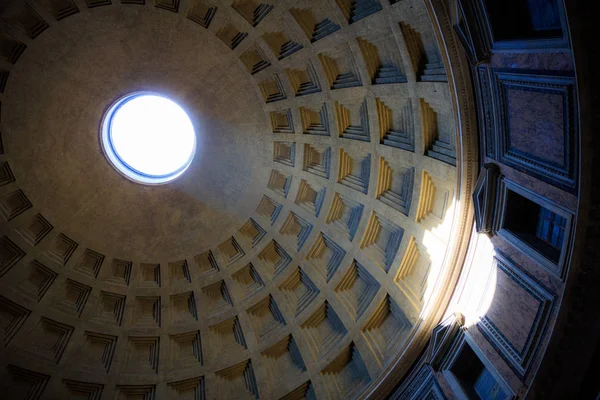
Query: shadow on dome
x=341 y=233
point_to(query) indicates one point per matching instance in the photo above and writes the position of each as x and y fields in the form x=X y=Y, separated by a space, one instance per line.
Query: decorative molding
x=322 y=331
x=313 y=27
x=563 y=174
x=304 y=80
x=486 y=109
x=386 y=330
x=272 y=89
x=356 y=290
x=169 y=5
x=201 y=13
x=97 y=351
x=325 y=255
x=13 y=317
x=354 y=170
x=237 y=381
x=36 y=230
x=401 y=136
x=274 y=259
x=265 y=318
x=345 y=215
x=88 y=390
x=207 y=264
x=248 y=281
x=346 y=374
x=422 y=386
x=32 y=383
x=520 y=361
x=310 y=196
x=284 y=153
x=472 y=29
x=304 y=391
x=381 y=240
x=443 y=338
x=354 y=11
x=282 y=121
x=194 y=388
x=281 y=44
x=484 y=198
x=10 y=254
x=252 y=232
x=315 y=121
x=555 y=267
x=254 y=60
x=299 y=291
x=252 y=11
x=185 y=350
x=130 y=392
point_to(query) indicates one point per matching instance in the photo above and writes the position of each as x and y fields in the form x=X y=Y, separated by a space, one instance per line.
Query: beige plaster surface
x=54 y=104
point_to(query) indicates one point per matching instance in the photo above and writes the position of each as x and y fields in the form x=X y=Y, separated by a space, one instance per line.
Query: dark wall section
x=538 y=201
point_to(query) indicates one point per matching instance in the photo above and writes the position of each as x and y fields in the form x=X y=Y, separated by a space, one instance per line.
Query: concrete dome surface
x=377 y=186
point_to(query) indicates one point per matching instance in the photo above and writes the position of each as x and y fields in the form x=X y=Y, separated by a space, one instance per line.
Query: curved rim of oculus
x=148 y=138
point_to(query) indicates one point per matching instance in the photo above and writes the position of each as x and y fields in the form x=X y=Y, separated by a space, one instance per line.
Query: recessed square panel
x=537 y=133
x=516 y=320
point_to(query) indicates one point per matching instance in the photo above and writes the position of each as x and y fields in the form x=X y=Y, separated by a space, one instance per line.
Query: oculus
x=148 y=138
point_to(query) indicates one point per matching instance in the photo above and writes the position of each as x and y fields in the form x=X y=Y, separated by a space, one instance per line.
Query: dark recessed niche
x=538 y=227
x=474 y=378
x=515 y=20
x=535 y=225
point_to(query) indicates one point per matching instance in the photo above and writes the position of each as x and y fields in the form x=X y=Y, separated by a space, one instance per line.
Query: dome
x=350 y=206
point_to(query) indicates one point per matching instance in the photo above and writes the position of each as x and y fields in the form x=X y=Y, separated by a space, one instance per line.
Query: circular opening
x=148 y=138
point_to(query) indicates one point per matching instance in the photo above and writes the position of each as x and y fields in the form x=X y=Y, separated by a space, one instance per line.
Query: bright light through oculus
x=148 y=138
